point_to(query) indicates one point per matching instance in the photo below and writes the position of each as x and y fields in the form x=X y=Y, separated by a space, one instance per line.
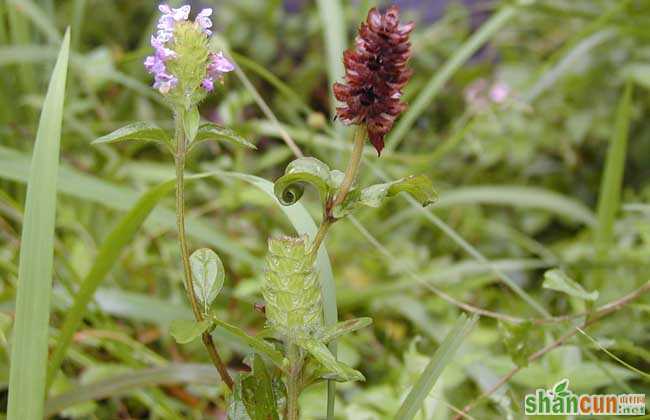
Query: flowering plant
x=292 y=352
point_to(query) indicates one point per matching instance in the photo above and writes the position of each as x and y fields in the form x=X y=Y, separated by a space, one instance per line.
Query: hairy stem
x=353 y=166
x=181 y=150
x=293 y=381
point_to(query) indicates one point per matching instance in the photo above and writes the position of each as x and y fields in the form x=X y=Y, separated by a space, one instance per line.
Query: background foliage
x=521 y=182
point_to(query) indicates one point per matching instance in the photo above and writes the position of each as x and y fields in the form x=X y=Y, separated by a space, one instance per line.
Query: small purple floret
x=203 y=20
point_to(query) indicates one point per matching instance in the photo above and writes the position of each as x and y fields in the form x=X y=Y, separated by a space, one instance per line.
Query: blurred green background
x=514 y=105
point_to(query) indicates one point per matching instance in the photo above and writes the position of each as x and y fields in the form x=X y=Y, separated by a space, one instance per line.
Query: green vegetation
x=500 y=244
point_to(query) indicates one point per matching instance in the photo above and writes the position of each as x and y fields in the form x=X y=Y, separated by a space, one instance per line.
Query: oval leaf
x=185 y=331
x=211 y=131
x=307 y=170
x=557 y=280
x=144 y=131
x=207 y=276
x=191 y=119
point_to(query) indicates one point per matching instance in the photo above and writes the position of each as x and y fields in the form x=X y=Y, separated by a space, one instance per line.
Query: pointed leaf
x=29 y=348
x=144 y=131
x=307 y=170
x=211 y=131
x=344 y=327
x=322 y=354
x=556 y=279
x=207 y=276
x=259 y=346
x=185 y=330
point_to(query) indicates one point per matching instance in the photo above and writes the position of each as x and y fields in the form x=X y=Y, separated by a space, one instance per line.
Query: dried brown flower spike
x=375 y=73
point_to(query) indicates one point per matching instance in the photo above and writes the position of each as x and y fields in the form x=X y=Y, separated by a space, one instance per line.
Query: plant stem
x=179 y=159
x=293 y=381
x=353 y=166
x=320 y=236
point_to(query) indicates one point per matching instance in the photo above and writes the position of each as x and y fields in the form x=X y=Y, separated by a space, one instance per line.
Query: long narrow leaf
x=108 y=254
x=440 y=360
x=610 y=188
x=29 y=347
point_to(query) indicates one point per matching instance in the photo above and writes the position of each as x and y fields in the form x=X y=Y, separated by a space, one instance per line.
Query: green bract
x=291 y=288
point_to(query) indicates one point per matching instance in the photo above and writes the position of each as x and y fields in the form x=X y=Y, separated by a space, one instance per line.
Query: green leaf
x=31 y=329
x=259 y=346
x=307 y=170
x=439 y=361
x=609 y=195
x=191 y=119
x=211 y=131
x=208 y=276
x=344 y=327
x=322 y=354
x=418 y=186
x=141 y=130
x=236 y=407
x=109 y=252
x=556 y=279
x=521 y=340
x=257 y=393
x=185 y=331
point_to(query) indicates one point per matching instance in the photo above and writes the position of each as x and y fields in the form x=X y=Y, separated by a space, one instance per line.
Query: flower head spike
x=375 y=73
x=183 y=66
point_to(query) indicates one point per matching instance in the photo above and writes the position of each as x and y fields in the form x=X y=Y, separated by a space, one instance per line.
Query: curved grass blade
x=29 y=347
x=108 y=254
x=440 y=360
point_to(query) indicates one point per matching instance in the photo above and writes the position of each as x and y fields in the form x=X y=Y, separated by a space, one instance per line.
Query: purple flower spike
x=203 y=20
x=207 y=84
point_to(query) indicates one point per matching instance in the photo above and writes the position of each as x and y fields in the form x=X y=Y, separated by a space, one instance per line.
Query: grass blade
x=433 y=86
x=108 y=254
x=610 y=188
x=440 y=360
x=29 y=349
